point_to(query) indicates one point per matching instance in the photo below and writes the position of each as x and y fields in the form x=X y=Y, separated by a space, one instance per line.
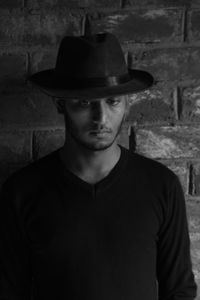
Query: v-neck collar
x=101 y=185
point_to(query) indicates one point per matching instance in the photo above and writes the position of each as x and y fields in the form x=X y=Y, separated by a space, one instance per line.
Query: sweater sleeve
x=174 y=268
x=15 y=269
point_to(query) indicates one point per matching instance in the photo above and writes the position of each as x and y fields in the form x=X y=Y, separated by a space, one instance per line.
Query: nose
x=99 y=112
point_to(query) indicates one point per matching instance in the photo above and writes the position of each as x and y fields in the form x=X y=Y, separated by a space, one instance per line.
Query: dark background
x=162 y=37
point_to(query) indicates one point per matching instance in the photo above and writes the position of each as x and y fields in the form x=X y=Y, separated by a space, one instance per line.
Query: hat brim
x=45 y=81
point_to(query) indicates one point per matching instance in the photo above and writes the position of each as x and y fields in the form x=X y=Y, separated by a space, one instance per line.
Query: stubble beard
x=91 y=146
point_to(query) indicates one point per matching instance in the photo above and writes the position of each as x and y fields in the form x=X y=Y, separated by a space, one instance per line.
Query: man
x=93 y=221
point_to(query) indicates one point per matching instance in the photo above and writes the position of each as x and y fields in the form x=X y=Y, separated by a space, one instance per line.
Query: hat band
x=80 y=83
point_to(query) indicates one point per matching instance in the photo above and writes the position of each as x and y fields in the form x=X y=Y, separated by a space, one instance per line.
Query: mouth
x=99 y=133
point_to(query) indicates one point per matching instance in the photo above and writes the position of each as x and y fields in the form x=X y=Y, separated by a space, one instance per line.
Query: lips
x=100 y=133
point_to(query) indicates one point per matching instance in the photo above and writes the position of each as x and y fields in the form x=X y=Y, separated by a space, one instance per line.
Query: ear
x=59 y=103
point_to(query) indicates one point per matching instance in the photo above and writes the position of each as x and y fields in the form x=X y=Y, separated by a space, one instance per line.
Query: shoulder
x=34 y=174
x=157 y=181
x=151 y=168
x=22 y=188
x=151 y=174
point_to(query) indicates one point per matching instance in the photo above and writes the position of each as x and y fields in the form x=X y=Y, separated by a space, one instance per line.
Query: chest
x=70 y=223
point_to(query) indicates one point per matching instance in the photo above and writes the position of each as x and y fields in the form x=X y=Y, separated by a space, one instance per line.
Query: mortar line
x=175 y=103
x=190 y=183
x=122 y=3
x=86 y=25
x=83 y=25
x=33 y=145
x=24 y=3
x=184 y=24
x=179 y=103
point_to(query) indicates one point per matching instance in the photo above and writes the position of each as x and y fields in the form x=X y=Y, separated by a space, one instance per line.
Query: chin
x=97 y=146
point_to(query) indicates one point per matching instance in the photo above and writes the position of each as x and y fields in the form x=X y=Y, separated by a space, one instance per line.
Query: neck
x=89 y=165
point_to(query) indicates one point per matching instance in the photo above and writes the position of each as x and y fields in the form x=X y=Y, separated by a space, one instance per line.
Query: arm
x=15 y=269
x=174 y=268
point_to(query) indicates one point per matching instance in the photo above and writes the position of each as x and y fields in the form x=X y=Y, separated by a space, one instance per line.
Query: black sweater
x=124 y=238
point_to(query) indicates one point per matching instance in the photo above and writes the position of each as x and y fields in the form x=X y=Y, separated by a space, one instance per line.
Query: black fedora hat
x=91 y=66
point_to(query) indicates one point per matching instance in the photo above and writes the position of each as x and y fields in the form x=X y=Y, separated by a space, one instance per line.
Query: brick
x=46 y=27
x=157 y=3
x=38 y=4
x=15 y=146
x=166 y=142
x=193 y=209
x=191 y=104
x=11 y=4
x=181 y=170
x=50 y=26
x=198 y=285
x=193 y=25
x=140 y=26
x=152 y=106
x=41 y=60
x=30 y=110
x=197 y=279
x=12 y=71
x=193 y=213
x=123 y=138
x=46 y=142
x=12 y=28
x=104 y=3
x=169 y=64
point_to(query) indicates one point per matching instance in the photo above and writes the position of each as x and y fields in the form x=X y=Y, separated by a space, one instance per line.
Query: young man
x=93 y=221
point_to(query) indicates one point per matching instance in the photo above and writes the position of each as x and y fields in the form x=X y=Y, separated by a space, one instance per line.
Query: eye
x=84 y=103
x=113 y=101
x=80 y=103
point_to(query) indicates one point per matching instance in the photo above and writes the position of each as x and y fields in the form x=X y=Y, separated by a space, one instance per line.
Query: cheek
x=76 y=120
x=117 y=117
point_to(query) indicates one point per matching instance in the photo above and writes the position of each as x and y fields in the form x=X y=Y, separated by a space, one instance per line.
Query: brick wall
x=161 y=36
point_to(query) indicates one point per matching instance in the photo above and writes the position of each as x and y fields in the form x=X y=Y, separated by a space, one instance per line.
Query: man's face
x=94 y=124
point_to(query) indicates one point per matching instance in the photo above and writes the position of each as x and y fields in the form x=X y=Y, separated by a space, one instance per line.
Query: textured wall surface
x=160 y=36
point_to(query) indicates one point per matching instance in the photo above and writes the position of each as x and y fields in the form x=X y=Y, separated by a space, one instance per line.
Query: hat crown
x=95 y=56
x=91 y=66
